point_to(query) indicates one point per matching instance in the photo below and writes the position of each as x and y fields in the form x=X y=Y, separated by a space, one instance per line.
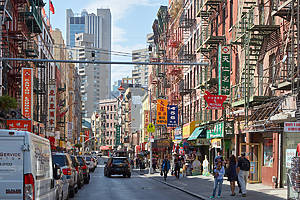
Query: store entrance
x=253 y=152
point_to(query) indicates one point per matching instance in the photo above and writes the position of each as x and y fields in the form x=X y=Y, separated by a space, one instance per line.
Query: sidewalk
x=203 y=186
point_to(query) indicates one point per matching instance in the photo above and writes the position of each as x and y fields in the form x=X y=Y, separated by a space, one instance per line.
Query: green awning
x=197 y=132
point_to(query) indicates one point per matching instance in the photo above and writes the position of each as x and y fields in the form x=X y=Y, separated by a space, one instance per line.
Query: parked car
x=117 y=165
x=85 y=169
x=26 y=166
x=80 y=178
x=90 y=161
x=61 y=184
x=65 y=162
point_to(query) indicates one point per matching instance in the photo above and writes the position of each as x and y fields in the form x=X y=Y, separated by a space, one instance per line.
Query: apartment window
x=107 y=125
x=111 y=116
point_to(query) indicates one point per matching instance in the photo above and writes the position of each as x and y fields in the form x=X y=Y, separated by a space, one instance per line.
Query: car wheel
x=72 y=192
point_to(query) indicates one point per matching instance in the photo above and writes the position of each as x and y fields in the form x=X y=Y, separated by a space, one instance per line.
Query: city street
x=134 y=188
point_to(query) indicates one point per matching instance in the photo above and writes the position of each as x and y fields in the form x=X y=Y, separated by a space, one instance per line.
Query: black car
x=80 y=178
x=117 y=165
x=85 y=169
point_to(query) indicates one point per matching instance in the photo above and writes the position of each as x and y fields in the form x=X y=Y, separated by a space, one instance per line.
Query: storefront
x=290 y=140
x=198 y=144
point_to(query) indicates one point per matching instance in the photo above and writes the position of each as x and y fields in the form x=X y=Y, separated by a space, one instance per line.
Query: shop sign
x=291 y=127
x=172 y=116
x=27 y=92
x=217 y=132
x=70 y=130
x=118 y=135
x=202 y=142
x=224 y=70
x=229 y=128
x=216 y=143
x=146 y=123
x=161 y=114
x=87 y=135
x=177 y=134
x=52 y=105
x=290 y=153
x=188 y=129
x=20 y=125
x=214 y=102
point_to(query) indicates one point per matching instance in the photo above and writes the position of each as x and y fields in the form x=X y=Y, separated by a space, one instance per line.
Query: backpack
x=245 y=165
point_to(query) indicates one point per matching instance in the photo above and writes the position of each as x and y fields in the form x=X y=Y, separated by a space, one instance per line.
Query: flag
x=43 y=13
x=51 y=7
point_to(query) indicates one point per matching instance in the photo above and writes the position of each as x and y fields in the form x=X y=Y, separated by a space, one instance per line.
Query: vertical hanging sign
x=172 y=116
x=161 y=114
x=224 y=70
x=146 y=123
x=52 y=105
x=27 y=92
x=118 y=135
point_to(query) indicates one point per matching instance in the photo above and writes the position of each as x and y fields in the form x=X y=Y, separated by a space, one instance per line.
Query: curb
x=178 y=188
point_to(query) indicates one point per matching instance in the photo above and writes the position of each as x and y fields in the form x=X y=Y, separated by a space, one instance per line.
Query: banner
x=87 y=135
x=20 y=125
x=215 y=102
x=52 y=105
x=172 y=116
x=27 y=92
x=118 y=135
x=161 y=115
x=224 y=70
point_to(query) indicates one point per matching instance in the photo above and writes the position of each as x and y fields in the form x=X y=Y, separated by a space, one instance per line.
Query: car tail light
x=77 y=169
x=67 y=171
x=28 y=187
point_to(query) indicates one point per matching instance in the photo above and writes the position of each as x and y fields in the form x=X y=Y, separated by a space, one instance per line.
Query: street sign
x=151 y=128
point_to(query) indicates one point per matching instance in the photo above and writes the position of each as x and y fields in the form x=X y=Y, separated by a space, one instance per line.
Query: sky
x=131 y=22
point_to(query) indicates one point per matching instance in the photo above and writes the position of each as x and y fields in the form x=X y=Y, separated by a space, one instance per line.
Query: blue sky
x=132 y=21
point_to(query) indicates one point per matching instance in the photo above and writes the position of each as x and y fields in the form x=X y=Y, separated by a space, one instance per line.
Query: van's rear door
x=11 y=167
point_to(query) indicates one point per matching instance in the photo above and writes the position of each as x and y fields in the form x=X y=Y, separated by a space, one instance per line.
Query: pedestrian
x=183 y=168
x=243 y=168
x=165 y=167
x=176 y=167
x=154 y=164
x=232 y=175
x=219 y=158
x=219 y=172
x=132 y=163
x=142 y=166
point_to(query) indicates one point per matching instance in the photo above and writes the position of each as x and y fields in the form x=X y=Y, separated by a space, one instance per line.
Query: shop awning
x=197 y=132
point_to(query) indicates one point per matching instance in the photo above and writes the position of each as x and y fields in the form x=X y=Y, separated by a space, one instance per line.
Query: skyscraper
x=89 y=37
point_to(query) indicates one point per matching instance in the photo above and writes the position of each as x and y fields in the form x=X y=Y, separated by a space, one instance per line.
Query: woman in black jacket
x=232 y=174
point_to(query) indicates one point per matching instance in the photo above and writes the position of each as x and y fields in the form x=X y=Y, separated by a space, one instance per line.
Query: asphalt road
x=135 y=188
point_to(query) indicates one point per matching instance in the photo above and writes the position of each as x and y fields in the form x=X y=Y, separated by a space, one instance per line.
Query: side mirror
x=56 y=172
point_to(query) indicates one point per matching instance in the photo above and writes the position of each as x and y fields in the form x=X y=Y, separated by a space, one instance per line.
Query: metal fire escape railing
x=249 y=32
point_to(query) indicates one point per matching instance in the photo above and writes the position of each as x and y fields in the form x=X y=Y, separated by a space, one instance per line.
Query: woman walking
x=219 y=172
x=232 y=175
x=165 y=167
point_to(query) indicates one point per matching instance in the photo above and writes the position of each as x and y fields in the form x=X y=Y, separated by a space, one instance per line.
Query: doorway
x=253 y=152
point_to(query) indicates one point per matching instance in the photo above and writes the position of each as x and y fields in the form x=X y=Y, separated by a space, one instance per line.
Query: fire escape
x=250 y=32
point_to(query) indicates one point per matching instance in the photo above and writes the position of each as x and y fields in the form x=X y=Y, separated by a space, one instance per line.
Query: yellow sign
x=151 y=128
x=188 y=129
x=161 y=115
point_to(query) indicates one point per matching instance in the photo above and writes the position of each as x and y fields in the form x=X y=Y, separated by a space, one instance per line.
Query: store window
x=268 y=153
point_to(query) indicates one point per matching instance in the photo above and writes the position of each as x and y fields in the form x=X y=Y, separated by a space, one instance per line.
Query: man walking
x=243 y=168
x=165 y=167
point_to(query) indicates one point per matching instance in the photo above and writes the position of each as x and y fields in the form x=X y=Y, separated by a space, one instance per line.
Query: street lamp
x=150 y=134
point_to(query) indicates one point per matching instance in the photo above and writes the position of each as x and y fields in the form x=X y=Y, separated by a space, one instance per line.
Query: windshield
x=59 y=159
x=119 y=161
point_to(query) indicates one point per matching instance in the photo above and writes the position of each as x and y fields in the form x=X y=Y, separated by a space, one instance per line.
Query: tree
x=7 y=103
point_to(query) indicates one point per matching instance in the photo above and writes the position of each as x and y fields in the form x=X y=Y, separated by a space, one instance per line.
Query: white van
x=26 y=169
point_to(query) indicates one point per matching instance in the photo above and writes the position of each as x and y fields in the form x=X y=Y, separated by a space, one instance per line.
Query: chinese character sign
x=224 y=70
x=19 y=125
x=118 y=135
x=172 y=116
x=87 y=135
x=214 y=102
x=161 y=113
x=146 y=123
x=27 y=92
x=52 y=106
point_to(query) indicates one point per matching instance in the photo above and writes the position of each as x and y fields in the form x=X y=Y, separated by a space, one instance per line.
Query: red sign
x=19 y=125
x=87 y=135
x=52 y=142
x=27 y=90
x=52 y=105
x=215 y=102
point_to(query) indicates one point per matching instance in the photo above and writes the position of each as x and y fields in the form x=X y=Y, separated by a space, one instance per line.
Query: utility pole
x=150 y=138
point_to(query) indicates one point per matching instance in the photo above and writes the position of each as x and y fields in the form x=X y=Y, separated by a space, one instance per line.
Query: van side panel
x=11 y=167
x=41 y=162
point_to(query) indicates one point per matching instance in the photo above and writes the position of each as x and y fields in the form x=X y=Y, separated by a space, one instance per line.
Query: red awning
x=103 y=148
